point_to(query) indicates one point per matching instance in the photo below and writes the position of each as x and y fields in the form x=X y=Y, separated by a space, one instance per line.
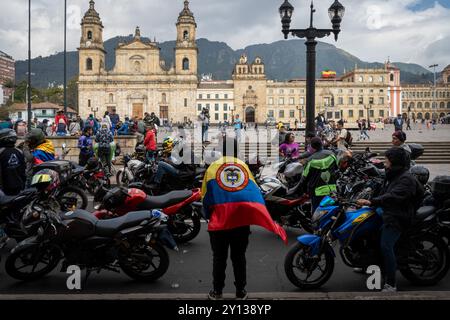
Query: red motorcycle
x=182 y=207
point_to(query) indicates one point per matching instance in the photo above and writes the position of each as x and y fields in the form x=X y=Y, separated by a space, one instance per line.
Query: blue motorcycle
x=422 y=257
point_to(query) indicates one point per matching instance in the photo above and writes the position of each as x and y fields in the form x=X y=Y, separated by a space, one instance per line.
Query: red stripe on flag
x=238 y=214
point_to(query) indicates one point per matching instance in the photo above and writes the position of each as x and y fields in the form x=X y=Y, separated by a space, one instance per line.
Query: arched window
x=419 y=105
x=185 y=64
x=89 y=35
x=88 y=64
x=111 y=98
x=448 y=105
x=419 y=116
x=427 y=116
x=137 y=66
x=411 y=105
x=186 y=35
x=442 y=105
x=392 y=77
x=164 y=98
x=427 y=105
x=404 y=105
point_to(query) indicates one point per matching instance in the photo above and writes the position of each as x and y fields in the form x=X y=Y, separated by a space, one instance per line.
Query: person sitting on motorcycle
x=12 y=164
x=104 y=139
x=401 y=193
x=319 y=175
x=167 y=165
x=289 y=149
x=398 y=140
x=85 y=145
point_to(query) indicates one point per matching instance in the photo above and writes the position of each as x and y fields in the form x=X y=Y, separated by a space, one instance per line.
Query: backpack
x=349 y=138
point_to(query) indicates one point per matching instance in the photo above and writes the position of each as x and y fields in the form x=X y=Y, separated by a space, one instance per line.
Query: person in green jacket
x=319 y=174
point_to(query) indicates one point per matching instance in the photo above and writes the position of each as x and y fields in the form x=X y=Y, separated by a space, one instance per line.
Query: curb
x=411 y=295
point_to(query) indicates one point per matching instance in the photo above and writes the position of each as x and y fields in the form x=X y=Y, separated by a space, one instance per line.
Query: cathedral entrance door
x=250 y=115
x=138 y=110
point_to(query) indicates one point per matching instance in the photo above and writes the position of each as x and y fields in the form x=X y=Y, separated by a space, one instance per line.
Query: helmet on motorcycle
x=421 y=173
x=114 y=198
x=35 y=137
x=45 y=180
x=92 y=164
x=167 y=145
x=8 y=137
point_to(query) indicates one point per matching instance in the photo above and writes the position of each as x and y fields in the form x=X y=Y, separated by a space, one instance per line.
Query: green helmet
x=35 y=137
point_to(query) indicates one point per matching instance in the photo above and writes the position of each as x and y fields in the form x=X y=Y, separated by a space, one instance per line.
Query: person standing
x=85 y=146
x=204 y=119
x=12 y=164
x=232 y=203
x=93 y=123
x=60 y=115
x=237 y=124
x=43 y=126
x=341 y=141
x=398 y=123
x=364 y=130
x=115 y=119
x=150 y=143
x=61 y=128
x=107 y=121
x=408 y=124
x=74 y=127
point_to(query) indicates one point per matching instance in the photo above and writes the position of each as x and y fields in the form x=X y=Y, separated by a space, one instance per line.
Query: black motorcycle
x=131 y=243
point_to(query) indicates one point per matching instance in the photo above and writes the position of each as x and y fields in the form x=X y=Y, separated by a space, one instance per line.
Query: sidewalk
x=412 y=295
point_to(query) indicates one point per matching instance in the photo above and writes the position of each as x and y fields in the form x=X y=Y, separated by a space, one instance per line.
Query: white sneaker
x=388 y=288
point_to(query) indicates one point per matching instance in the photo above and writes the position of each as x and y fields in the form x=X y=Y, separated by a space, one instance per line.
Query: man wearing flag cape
x=233 y=202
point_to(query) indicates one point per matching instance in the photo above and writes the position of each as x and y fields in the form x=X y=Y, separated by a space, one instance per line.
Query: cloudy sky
x=415 y=31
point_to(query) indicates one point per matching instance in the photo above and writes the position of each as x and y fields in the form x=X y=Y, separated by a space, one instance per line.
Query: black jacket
x=12 y=171
x=399 y=198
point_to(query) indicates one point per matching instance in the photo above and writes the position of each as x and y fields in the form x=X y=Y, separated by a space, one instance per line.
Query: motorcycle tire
x=16 y=272
x=122 y=179
x=68 y=206
x=183 y=231
x=443 y=264
x=289 y=266
x=130 y=267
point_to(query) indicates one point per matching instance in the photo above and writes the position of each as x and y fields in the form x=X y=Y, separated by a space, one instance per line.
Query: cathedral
x=140 y=81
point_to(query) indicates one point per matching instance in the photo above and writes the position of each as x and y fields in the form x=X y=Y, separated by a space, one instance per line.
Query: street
x=190 y=273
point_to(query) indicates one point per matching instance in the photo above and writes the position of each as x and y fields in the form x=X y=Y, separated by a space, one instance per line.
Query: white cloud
x=371 y=29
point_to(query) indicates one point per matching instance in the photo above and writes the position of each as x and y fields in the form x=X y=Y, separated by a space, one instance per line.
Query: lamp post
x=65 y=56
x=336 y=12
x=29 y=67
x=433 y=105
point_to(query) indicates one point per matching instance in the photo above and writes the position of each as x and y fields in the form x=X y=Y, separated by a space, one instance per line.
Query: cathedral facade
x=140 y=81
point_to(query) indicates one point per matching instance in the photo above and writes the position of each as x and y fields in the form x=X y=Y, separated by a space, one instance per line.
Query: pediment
x=136 y=44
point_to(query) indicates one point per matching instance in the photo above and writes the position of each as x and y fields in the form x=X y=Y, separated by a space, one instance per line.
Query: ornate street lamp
x=336 y=13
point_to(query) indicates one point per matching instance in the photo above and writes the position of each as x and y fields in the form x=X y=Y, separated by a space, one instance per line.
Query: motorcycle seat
x=424 y=212
x=165 y=200
x=109 y=227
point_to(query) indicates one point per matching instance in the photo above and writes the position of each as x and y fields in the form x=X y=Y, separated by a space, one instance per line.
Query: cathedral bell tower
x=91 y=50
x=186 y=51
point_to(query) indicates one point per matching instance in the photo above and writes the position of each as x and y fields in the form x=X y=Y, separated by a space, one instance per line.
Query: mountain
x=284 y=60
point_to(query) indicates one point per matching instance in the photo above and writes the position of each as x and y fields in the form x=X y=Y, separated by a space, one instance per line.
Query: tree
x=72 y=93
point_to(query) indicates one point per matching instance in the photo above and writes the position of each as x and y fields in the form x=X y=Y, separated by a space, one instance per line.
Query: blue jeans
x=204 y=133
x=163 y=169
x=389 y=237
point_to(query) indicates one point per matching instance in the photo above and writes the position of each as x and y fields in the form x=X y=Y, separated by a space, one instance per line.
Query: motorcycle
x=90 y=178
x=132 y=243
x=422 y=257
x=286 y=206
x=182 y=208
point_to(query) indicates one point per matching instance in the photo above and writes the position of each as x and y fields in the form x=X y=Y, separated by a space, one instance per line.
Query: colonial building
x=140 y=81
x=7 y=73
x=427 y=101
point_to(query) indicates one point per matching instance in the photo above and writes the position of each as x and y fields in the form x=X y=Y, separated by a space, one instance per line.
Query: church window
x=392 y=77
x=88 y=64
x=111 y=98
x=164 y=98
x=185 y=64
x=137 y=66
x=89 y=35
x=186 y=35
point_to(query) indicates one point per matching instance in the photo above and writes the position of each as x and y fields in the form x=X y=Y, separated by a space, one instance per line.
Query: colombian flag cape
x=44 y=152
x=232 y=199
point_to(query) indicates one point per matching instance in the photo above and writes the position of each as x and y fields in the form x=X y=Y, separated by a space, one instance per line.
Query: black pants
x=83 y=159
x=237 y=240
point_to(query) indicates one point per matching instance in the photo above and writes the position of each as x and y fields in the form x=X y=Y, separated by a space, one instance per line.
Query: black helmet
x=35 y=137
x=92 y=164
x=8 y=137
x=421 y=173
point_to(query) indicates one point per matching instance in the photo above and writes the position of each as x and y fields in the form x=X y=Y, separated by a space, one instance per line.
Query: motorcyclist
x=320 y=173
x=12 y=164
x=399 y=198
x=168 y=165
x=104 y=139
x=398 y=140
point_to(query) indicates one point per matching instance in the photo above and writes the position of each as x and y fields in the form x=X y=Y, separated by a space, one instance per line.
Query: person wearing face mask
x=399 y=198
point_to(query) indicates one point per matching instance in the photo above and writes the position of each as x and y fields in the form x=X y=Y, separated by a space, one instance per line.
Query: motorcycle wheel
x=184 y=227
x=299 y=261
x=427 y=262
x=71 y=196
x=33 y=262
x=122 y=179
x=141 y=257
